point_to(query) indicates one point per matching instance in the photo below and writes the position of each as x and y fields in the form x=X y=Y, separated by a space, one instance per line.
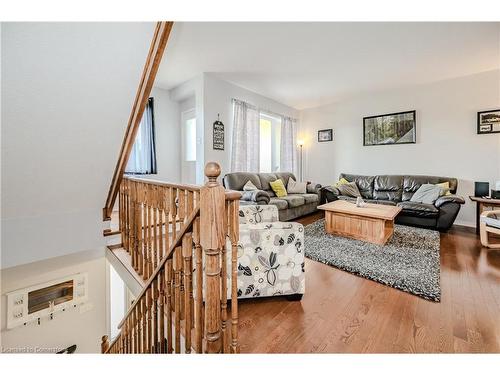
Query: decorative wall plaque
x=218 y=136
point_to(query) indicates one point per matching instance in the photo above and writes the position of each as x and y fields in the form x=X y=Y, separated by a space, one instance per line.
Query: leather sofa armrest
x=257 y=196
x=313 y=187
x=329 y=194
x=448 y=199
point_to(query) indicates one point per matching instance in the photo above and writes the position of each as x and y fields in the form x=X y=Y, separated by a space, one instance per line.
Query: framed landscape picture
x=488 y=122
x=389 y=129
x=325 y=135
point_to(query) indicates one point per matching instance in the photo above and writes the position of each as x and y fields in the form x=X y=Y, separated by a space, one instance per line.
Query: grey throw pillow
x=350 y=189
x=249 y=186
x=295 y=187
x=426 y=193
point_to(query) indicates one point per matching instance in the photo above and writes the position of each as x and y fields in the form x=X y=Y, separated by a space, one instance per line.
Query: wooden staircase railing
x=177 y=237
x=155 y=54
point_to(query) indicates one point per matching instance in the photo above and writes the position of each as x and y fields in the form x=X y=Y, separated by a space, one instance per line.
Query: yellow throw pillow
x=278 y=188
x=342 y=181
x=445 y=186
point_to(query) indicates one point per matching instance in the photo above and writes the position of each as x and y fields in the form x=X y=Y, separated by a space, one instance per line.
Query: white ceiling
x=309 y=64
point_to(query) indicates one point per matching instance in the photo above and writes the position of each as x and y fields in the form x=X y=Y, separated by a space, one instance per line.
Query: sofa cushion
x=364 y=183
x=412 y=183
x=294 y=187
x=350 y=189
x=388 y=187
x=427 y=193
x=278 y=188
x=265 y=179
x=249 y=186
x=381 y=201
x=236 y=181
x=346 y=198
x=310 y=198
x=294 y=200
x=270 y=192
x=285 y=176
x=419 y=209
x=280 y=203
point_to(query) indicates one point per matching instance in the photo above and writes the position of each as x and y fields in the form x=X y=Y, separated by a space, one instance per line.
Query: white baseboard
x=465 y=223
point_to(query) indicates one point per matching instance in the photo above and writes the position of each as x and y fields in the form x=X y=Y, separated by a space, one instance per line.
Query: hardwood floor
x=343 y=313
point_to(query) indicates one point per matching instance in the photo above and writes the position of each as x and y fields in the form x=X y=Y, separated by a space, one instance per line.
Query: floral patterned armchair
x=270 y=254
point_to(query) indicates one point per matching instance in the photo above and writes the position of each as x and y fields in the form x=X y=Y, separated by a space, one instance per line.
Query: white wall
x=447 y=143
x=117 y=305
x=187 y=94
x=217 y=96
x=73 y=326
x=67 y=91
x=167 y=132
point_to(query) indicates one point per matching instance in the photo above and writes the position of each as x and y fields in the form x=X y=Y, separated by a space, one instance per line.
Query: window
x=270 y=140
x=142 y=159
x=190 y=136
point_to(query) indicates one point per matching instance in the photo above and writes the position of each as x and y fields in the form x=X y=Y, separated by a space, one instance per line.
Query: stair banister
x=188 y=233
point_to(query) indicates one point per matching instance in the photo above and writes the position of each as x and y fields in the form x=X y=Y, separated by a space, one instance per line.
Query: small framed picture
x=488 y=122
x=325 y=135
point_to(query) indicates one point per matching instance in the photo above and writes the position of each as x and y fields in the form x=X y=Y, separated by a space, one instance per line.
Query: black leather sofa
x=398 y=190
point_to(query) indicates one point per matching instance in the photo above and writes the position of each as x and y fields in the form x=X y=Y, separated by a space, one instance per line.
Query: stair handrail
x=155 y=54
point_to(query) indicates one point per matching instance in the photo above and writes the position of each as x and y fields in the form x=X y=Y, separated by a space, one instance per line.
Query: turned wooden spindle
x=234 y=235
x=177 y=298
x=154 y=306
x=154 y=228
x=198 y=302
x=187 y=251
x=212 y=237
x=169 y=279
x=223 y=305
x=161 y=311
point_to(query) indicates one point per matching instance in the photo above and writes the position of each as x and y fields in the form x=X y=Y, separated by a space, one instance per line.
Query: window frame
x=153 y=160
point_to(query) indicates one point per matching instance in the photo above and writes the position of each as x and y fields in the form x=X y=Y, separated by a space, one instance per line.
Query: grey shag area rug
x=408 y=261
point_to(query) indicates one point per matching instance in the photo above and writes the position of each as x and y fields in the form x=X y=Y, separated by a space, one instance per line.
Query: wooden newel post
x=104 y=344
x=212 y=238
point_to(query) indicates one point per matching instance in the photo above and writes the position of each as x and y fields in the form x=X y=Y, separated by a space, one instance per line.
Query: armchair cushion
x=258 y=214
x=491 y=222
x=447 y=199
x=270 y=259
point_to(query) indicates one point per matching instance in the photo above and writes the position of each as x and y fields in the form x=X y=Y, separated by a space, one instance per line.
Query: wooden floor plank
x=343 y=313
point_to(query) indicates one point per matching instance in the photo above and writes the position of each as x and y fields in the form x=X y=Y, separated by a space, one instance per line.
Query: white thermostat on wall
x=42 y=300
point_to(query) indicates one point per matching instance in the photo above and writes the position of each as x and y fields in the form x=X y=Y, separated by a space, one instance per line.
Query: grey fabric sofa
x=398 y=190
x=290 y=207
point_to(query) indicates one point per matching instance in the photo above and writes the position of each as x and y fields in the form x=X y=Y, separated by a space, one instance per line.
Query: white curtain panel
x=246 y=135
x=142 y=158
x=288 y=150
